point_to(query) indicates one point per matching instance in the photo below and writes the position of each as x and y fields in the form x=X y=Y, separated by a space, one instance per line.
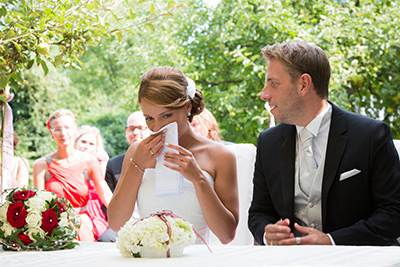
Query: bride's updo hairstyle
x=167 y=87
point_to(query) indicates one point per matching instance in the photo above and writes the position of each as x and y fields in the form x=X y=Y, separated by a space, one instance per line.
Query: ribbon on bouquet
x=162 y=215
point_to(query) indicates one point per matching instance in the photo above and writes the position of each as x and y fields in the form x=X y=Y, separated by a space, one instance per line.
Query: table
x=90 y=254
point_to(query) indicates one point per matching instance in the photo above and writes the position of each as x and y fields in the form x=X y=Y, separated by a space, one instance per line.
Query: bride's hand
x=184 y=162
x=148 y=149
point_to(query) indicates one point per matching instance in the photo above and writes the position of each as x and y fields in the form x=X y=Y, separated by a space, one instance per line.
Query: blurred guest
x=67 y=172
x=89 y=140
x=206 y=125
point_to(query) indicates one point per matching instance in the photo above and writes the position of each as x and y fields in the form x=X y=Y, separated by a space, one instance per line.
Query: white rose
x=32 y=231
x=3 y=211
x=45 y=195
x=7 y=228
x=64 y=220
x=34 y=219
x=36 y=204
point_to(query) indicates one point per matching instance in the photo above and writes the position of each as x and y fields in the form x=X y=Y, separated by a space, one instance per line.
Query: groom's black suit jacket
x=361 y=210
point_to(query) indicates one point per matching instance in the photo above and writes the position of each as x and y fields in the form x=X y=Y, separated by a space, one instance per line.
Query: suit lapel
x=337 y=142
x=286 y=154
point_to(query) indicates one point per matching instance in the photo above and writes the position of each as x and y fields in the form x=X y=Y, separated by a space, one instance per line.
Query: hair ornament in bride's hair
x=191 y=88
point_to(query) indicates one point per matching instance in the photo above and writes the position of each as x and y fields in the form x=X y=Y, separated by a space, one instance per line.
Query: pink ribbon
x=162 y=214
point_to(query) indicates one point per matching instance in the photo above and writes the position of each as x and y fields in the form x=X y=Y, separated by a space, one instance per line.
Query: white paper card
x=168 y=182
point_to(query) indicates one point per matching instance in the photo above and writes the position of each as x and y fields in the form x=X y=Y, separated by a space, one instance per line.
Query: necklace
x=194 y=138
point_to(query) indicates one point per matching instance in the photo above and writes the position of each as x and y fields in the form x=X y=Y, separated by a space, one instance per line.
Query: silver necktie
x=308 y=167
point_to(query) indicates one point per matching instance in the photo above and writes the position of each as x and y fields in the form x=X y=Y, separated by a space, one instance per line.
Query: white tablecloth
x=106 y=254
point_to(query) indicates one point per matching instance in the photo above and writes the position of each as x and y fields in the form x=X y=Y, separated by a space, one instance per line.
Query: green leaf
x=3 y=11
x=168 y=15
x=152 y=9
x=17 y=46
x=132 y=14
x=4 y=81
x=3 y=98
x=115 y=17
x=90 y=7
x=17 y=76
x=30 y=63
x=44 y=67
x=150 y=26
x=120 y=36
x=58 y=60
x=171 y=4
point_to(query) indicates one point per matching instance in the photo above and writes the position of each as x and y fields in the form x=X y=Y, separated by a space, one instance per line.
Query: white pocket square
x=348 y=174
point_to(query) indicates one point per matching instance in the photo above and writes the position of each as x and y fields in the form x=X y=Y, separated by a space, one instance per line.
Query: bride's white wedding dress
x=185 y=205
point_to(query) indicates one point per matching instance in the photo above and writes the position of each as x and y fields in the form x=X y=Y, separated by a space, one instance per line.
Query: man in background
x=136 y=130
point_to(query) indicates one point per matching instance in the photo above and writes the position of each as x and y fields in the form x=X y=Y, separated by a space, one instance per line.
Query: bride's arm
x=123 y=201
x=221 y=205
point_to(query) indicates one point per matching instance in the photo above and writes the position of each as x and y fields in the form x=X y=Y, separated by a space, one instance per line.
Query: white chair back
x=397 y=145
x=245 y=158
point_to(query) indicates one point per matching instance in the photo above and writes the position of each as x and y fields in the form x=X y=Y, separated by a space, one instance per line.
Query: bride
x=209 y=199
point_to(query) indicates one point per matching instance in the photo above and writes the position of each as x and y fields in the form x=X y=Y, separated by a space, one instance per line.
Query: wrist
x=136 y=166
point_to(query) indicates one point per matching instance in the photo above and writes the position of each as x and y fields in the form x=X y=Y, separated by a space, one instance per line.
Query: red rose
x=61 y=207
x=16 y=214
x=22 y=195
x=24 y=238
x=49 y=220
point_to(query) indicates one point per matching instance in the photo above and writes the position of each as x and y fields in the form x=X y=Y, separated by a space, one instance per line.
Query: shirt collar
x=315 y=124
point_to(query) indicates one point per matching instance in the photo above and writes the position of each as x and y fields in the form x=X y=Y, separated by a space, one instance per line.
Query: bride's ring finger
x=151 y=151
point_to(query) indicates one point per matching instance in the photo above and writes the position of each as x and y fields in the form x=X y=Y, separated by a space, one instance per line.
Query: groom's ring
x=272 y=242
x=298 y=240
x=151 y=151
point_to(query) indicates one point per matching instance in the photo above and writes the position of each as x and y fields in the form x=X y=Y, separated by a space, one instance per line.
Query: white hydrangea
x=36 y=204
x=152 y=232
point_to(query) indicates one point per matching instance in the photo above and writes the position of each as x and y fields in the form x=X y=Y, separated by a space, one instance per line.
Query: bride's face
x=157 y=117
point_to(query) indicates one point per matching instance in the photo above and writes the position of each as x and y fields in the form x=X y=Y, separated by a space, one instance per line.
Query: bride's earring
x=188 y=114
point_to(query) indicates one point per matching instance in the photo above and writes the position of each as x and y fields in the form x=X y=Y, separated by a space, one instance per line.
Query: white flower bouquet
x=32 y=219
x=162 y=234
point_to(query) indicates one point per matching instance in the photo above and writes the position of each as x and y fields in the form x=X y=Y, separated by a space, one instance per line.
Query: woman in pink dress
x=67 y=171
x=89 y=140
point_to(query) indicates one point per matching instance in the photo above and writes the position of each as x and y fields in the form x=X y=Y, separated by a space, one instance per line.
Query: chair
x=245 y=158
x=397 y=145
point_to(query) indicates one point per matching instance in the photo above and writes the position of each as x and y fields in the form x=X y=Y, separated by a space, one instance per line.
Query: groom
x=343 y=188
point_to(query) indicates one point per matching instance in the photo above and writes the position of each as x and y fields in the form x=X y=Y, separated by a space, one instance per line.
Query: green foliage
x=66 y=27
x=219 y=48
